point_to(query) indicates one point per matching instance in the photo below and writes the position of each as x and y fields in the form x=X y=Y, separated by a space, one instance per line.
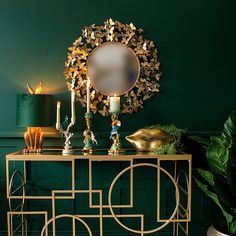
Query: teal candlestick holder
x=89 y=137
x=116 y=147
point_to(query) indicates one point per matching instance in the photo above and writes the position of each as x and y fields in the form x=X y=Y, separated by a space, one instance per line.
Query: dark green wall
x=196 y=40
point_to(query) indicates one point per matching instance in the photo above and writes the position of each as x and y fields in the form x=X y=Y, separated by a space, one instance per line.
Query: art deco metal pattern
x=180 y=217
x=114 y=31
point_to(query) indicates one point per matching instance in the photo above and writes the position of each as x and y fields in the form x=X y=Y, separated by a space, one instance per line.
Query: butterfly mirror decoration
x=119 y=61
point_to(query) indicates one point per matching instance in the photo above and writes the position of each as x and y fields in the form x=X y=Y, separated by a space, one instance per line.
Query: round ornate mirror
x=113 y=68
x=119 y=61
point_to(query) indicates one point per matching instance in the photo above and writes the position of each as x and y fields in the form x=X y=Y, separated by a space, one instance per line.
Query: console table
x=176 y=169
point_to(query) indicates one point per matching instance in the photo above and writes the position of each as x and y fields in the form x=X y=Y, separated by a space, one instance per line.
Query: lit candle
x=115 y=104
x=72 y=106
x=58 y=123
x=88 y=95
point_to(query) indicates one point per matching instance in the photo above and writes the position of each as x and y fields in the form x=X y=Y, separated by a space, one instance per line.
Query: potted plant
x=219 y=182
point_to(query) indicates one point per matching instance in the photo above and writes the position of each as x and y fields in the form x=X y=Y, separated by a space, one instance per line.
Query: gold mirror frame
x=113 y=31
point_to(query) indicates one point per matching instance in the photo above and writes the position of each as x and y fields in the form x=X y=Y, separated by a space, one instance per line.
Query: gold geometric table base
x=180 y=217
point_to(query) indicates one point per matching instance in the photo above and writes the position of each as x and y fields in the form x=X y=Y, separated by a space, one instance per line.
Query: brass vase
x=34 y=138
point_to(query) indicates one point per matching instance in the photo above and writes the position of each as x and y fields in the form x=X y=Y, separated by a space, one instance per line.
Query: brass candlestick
x=89 y=137
x=116 y=147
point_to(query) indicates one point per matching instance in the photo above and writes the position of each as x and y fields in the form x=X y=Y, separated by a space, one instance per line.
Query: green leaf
x=214 y=198
x=225 y=196
x=231 y=177
x=207 y=175
x=169 y=129
x=232 y=227
x=218 y=155
x=229 y=130
x=221 y=158
x=203 y=141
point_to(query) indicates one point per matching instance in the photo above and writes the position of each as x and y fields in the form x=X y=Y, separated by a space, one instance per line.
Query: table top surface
x=98 y=155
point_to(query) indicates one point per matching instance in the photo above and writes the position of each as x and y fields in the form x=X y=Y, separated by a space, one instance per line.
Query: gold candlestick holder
x=89 y=137
x=116 y=147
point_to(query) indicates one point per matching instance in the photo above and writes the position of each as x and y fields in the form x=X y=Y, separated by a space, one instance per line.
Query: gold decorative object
x=149 y=139
x=89 y=137
x=113 y=31
x=180 y=182
x=36 y=91
x=65 y=129
x=34 y=138
x=115 y=136
x=34 y=112
x=68 y=148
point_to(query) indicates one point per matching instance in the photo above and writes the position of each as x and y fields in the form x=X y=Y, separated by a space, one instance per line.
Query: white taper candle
x=73 y=117
x=58 y=122
x=88 y=95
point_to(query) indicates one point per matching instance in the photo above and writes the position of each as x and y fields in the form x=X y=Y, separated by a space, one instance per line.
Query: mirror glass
x=113 y=69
